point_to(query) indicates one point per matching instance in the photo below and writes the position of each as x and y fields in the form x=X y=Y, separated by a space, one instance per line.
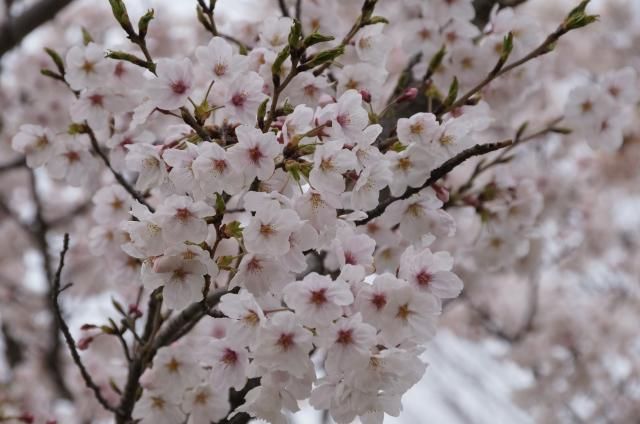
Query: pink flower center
x=255 y=154
x=179 y=87
x=96 y=99
x=238 y=99
x=285 y=341
x=318 y=297
x=343 y=119
x=230 y=357
x=379 y=300
x=345 y=337
x=350 y=258
x=183 y=214
x=424 y=278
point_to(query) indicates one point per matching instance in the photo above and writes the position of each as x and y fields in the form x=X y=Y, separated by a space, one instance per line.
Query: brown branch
x=119 y=178
x=545 y=47
x=64 y=328
x=9 y=166
x=436 y=174
x=16 y=28
x=38 y=231
x=155 y=340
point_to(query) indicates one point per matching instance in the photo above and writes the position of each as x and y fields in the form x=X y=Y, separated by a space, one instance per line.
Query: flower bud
x=366 y=95
x=408 y=95
x=83 y=343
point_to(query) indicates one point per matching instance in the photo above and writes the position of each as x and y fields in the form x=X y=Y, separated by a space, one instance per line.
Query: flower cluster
x=278 y=193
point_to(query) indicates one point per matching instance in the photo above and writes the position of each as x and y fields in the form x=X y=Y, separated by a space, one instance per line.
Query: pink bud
x=26 y=418
x=441 y=192
x=409 y=94
x=83 y=343
x=135 y=311
x=366 y=96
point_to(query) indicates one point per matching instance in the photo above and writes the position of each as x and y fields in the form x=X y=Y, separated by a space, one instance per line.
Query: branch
x=64 y=328
x=576 y=19
x=436 y=174
x=15 y=29
x=17 y=163
x=38 y=231
x=119 y=178
x=170 y=333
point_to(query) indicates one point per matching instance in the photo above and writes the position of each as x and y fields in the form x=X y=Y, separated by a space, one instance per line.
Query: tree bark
x=14 y=29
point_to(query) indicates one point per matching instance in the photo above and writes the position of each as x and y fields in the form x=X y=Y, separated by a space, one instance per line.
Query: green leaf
x=322 y=58
x=122 y=16
x=507 y=47
x=295 y=35
x=56 y=59
x=436 y=60
x=316 y=38
x=453 y=94
x=377 y=20
x=276 y=68
x=577 y=18
x=143 y=23
x=86 y=36
x=233 y=229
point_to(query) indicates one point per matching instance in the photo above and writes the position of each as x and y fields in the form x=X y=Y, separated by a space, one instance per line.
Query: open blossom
x=420 y=128
x=146 y=160
x=229 y=361
x=283 y=344
x=242 y=97
x=269 y=230
x=96 y=106
x=330 y=162
x=275 y=32
x=219 y=59
x=205 y=404
x=182 y=219
x=86 y=66
x=410 y=316
x=36 y=143
x=317 y=299
x=430 y=272
x=259 y=274
x=214 y=172
x=348 y=117
x=173 y=85
x=72 y=160
x=348 y=342
x=246 y=314
x=182 y=273
x=255 y=152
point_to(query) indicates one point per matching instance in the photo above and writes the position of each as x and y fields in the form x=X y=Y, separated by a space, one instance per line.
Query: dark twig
x=283 y=8
x=15 y=29
x=64 y=328
x=119 y=178
x=545 y=47
x=9 y=166
x=436 y=174
x=155 y=340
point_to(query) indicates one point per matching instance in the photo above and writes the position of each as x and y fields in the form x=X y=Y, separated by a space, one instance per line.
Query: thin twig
x=545 y=47
x=12 y=31
x=119 y=178
x=436 y=174
x=64 y=328
x=9 y=166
